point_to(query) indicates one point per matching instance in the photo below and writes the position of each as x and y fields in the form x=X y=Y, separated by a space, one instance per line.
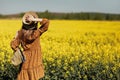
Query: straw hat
x=29 y=15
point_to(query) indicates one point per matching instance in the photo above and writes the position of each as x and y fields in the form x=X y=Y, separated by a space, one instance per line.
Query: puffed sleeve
x=16 y=41
x=44 y=25
x=36 y=33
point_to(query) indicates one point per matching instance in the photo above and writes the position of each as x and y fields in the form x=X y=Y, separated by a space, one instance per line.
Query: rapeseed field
x=72 y=50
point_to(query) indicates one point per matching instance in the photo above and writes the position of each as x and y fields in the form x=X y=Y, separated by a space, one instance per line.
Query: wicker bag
x=17 y=58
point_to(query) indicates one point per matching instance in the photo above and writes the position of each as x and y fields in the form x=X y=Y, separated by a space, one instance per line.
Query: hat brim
x=31 y=15
x=25 y=17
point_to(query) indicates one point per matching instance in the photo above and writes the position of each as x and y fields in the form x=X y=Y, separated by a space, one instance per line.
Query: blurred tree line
x=70 y=16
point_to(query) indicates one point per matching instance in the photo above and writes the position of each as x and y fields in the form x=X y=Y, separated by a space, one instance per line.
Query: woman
x=29 y=38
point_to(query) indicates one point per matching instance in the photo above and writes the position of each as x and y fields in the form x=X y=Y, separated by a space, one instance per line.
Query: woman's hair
x=32 y=26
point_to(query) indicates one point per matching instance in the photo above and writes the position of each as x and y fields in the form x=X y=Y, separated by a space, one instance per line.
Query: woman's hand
x=34 y=19
x=37 y=19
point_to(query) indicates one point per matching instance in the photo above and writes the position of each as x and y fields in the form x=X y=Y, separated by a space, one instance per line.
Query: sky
x=18 y=6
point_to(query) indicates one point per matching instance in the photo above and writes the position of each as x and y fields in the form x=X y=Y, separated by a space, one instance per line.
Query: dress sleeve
x=44 y=25
x=36 y=33
x=16 y=41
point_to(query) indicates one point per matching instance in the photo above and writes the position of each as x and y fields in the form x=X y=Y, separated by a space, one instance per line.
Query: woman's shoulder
x=19 y=33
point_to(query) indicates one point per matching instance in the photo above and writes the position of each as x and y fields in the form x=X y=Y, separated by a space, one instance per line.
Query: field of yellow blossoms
x=72 y=50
